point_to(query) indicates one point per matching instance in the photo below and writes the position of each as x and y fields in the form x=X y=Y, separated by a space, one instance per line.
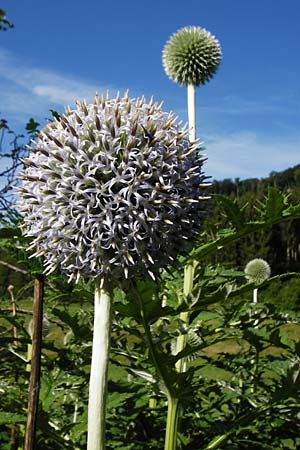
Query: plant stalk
x=188 y=282
x=189 y=269
x=191 y=104
x=189 y=272
x=172 y=423
x=99 y=367
x=255 y=295
x=173 y=402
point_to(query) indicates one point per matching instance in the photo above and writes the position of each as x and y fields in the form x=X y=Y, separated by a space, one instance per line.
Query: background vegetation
x=241 y=389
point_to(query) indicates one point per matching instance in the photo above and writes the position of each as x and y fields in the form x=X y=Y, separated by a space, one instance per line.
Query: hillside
x=280 y=246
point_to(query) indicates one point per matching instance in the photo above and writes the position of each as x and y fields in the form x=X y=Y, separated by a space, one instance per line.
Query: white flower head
x=111 y=189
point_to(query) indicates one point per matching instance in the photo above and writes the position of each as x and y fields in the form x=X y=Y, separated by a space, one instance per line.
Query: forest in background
x=278 y=245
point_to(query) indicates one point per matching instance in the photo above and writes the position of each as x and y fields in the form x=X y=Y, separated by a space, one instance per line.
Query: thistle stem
x=172 y=423
x=191 y=104
x=162 y=371
x=189 y=272
x=99 y=367
x=255 y=295
x=173 y=402
x=188 y=283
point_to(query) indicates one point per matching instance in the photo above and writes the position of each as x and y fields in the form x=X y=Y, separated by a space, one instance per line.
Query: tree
x=4 y=23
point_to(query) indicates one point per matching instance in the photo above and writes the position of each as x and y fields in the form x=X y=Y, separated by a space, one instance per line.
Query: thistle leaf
x=274 y=205
x=233 y=212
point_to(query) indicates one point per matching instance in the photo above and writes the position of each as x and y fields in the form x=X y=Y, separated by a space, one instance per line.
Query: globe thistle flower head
x=191 y=56
x=257 y=270
x=111 y=189
x=46 y=327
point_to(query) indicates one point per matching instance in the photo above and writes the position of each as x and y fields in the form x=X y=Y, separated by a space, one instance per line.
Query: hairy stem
x=99 y=367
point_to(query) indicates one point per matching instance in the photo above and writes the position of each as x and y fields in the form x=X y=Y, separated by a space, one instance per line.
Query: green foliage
x=32 y=126
x=242 y=361
x=234 y=214
x=8 y=233
x=240 y=227
x=241 y=386
x=4 y=22
x=279 y=244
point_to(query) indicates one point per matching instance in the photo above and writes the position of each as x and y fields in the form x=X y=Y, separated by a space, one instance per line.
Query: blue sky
x=248 y=115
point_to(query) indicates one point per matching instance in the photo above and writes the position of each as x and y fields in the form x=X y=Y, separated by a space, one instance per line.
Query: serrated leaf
x=274 y=205
x=129 y=309
x=234 y=213
x=290 y=385
x=116 y=399
x=146 y=293
x=7 y=417
x=79 y=331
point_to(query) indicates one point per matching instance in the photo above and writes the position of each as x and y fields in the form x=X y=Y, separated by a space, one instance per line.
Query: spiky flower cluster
x=257 y=270
x=111 y=189
x=191 y=56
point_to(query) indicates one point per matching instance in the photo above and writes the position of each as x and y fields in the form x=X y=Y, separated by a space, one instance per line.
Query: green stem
x=29 y=355
x=172 y=423
x=162 y=371
x=188 y=283
x=239 y=424
x=99 y=367
x=173 y=402
x=216 y=442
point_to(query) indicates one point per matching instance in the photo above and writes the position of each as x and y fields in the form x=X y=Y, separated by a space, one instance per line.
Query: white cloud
x=57 y=94
x=27 y=90
x=249 y=155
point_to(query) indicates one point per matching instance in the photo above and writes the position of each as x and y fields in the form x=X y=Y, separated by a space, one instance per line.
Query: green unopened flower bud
x=257 y=270
x=191 y=56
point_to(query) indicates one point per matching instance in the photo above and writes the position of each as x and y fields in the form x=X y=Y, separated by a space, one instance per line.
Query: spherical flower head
x=191 y=56
x=257 y=270
x=111 y=189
